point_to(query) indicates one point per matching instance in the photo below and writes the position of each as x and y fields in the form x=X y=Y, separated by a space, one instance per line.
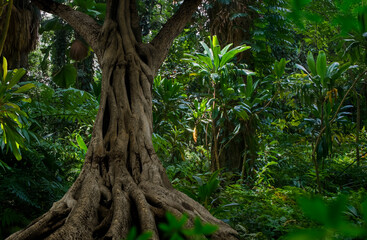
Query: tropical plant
x=326 y=109
x=333 y=220
x=11 y=94
x=169 y=119
x=273 y=36
x=214 y=68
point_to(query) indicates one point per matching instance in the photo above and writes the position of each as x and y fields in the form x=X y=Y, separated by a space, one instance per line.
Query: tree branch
x=83 y=24
x=135 y=24
x=173 y=27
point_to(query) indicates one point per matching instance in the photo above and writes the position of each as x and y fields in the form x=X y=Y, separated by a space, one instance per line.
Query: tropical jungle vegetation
x=155 y=119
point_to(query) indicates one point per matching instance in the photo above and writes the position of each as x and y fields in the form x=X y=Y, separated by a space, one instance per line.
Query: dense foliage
x=274 y=144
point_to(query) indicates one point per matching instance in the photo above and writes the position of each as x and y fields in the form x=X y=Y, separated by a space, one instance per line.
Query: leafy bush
x=332 y=216
x=12 y=132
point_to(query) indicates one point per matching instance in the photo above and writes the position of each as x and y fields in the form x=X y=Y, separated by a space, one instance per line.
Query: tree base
x=99 y=208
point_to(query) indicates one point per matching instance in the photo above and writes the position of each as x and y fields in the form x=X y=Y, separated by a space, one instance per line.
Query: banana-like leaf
x=321 y=66
x=311 y=63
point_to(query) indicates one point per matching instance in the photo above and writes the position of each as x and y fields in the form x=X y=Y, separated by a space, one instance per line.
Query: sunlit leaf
x=5 y=68
x=81 y=143
x=16 y=76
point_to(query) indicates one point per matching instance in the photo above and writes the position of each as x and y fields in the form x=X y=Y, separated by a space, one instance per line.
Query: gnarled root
x=97 y=208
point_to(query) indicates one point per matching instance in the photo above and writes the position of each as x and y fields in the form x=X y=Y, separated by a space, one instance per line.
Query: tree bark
x=122 y=183
x=22 y=36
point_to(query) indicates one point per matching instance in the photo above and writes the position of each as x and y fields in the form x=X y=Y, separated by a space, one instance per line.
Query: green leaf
x=301 y=68
x=14 y=139
x=28 y=100
x=84 y=4
x=25 y=88
x=315 y=209
x=225 y=49
x=16 y=152
x=145 y=236
x=311 y=63
x=205 y=229
x=216 y=50
x=81 y=143
x=229 y=56
x=5 y=68
x=321 y=66
x=279 y=67
x=132 y=234
x=66 y=77
x=332 y=70
x=215 y=41
x=213 y=183
x=336 y=211
x=205 y=61
x=16 y=76
x=249 y=87
x=208 y=51
x=242 y=111
x=13 y=105
x=4 y=165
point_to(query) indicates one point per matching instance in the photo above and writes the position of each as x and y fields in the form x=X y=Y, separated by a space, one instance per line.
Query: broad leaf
x=66 y=77
x=25 y=88
x=321 y=66
x=315 y=209
x=16 y=76
x=311 y=63
x=81 y=143
x=229 y=56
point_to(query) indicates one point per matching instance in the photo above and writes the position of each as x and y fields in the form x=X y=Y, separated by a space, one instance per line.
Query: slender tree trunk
x=122 y=183
x=215 y=165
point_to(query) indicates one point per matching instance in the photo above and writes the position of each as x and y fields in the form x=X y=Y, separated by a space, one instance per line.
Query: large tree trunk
x=22 y=36
x=122 y=183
